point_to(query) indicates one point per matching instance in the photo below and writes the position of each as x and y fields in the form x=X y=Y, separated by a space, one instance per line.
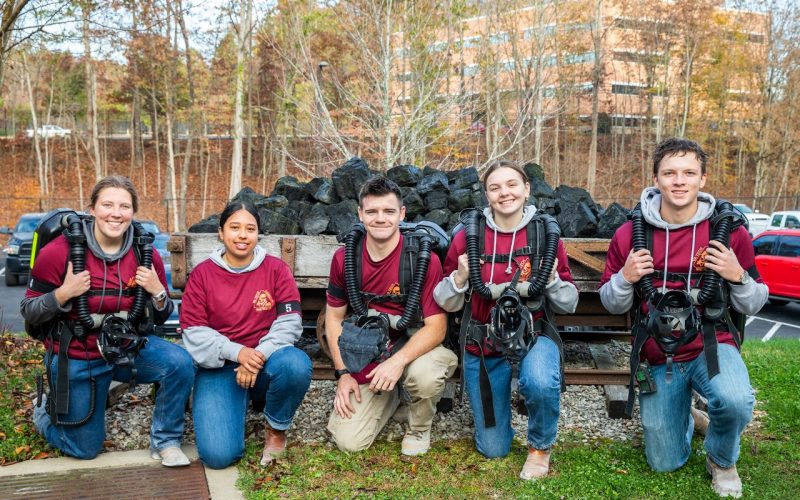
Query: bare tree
x=243 y=32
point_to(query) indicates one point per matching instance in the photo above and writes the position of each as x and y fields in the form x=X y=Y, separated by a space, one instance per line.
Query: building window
x=638 y=57
x=628 y=23
x=498 y=38
x=626 y=88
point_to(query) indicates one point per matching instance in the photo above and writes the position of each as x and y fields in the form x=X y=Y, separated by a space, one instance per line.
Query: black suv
x=18 y=251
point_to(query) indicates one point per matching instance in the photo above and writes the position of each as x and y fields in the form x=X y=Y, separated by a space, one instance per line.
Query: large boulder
x=577 y=221
x=342 y=216
x=405 y=175
x=296 y=211
x=541 y=189
x=349 y=178
x=572 y=196
x=611 y=218
x=439 y=216
x=317 y=220
x=208 y=225
x=436 y=181
x=290 y=188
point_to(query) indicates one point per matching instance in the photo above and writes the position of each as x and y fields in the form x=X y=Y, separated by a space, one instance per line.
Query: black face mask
x=673 y=320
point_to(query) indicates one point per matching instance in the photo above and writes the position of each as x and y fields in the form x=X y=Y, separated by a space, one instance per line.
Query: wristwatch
x=338 y=373
x=160 y=296
x=744 y=279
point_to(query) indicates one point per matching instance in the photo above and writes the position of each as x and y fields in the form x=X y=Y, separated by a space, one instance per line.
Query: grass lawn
x=769 y=463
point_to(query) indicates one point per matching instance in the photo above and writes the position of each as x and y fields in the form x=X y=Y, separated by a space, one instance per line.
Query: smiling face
x=679 y=179
x=507 y=192
x=239 y=234
x=113 y=213
x=381 y=216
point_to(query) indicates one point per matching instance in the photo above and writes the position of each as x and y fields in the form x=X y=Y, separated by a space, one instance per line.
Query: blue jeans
x=667 y=421
x=160 y=361
x=539 y=385
x=220 y=404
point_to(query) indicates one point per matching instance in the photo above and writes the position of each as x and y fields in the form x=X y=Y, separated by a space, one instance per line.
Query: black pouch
x=364 y=339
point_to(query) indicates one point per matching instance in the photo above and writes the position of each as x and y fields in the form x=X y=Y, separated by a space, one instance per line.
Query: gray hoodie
x=617 y=294
x=561 y=295
x=210 y=348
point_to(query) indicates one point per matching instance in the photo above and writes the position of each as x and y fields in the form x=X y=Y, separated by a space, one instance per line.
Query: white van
x=756 y=221
x=788 y=219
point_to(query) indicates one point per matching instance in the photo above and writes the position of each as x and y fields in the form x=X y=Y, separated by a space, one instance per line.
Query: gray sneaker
x=416 y=443
x=724 y=482
x=170 y=457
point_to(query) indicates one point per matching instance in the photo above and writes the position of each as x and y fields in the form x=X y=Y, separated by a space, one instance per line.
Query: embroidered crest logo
x=394 y=289
x=131 y=283
x=700 y=260
x=526 y=269
x=263 y=301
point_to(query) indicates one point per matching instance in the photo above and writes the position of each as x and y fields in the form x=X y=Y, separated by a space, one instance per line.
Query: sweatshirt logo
x=131 y=283
x=525 y=265
x=263 y=301
x=700 y=260
x=394 y=289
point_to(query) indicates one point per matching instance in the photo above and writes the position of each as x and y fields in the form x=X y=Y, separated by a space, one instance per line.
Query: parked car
x=49 y=131
x=18 y=251
x=789 y=219
x=778 y=263
x=756 y=221
x=171 y=327
x=161 y=239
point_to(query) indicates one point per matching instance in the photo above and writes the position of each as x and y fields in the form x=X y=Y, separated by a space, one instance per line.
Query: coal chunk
x=275 y=223
x=436 y=200
x=349 y=178
x=436 y=181
x=322 y=190
x=248 y=195
x=577 y=220
x=342 y=216
x=290 y=188
x=533 y=171
x=273 y=203
x=541 y=189
x=317 y=220
x=405 y=175
x=208 y=225
x=569 y=196
x=438 y=216
x=464 y=177
x=459 y=200
x=414 y=204
x=611 y=218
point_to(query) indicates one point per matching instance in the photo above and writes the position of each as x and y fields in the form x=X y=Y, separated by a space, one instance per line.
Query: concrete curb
x=221 y=483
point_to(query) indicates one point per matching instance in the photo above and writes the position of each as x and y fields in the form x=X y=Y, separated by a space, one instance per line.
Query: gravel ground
x=582 y=411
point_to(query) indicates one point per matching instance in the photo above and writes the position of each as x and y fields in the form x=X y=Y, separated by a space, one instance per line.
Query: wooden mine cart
x=309 y=258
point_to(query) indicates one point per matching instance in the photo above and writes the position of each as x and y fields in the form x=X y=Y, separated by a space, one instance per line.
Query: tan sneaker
x=170 y=457
x=724 y=482
x=274 y=446
x=700 y=421
x=416 y=443
x=537 y=465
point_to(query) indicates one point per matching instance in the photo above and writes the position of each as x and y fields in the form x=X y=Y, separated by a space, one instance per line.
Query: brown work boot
x=724 y=482
x=274 y=446
x=700 y=421
x=537 y=465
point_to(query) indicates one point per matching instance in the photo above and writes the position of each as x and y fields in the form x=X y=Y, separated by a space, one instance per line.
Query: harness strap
x=65 y=335
x=710 y=347
x=640 y=336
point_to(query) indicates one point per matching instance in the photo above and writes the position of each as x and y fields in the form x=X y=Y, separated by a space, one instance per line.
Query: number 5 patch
x=288 y=307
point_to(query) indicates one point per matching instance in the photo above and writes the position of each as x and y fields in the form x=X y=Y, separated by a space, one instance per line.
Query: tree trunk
x=91 y=93
x=596 y=73
x=238 y=126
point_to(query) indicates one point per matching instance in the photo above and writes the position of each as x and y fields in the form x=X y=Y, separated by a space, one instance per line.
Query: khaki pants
x=423 y=379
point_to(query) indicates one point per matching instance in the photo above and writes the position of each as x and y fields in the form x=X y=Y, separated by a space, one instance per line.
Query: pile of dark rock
x=330 y=206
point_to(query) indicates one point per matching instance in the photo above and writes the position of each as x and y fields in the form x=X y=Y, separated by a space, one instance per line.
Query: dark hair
x=115 y=181
x=379 y=186
x=498 y=164
x=676 y=146
x=234 y=206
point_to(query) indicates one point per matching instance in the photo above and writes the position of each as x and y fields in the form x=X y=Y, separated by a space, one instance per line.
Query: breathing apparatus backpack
x=357 y=342
x=511 y=330
x=673 y=319
x=121 y=336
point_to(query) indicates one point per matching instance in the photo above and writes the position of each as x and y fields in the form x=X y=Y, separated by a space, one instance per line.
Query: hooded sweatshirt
x=112 y=282
x=561 y=294
x=225 y=309
x=678 y=248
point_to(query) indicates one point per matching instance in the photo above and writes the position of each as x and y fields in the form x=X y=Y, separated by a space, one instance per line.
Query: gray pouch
x=364 y=339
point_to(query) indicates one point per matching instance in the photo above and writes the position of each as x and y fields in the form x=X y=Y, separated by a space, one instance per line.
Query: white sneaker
x=170 y=457
x=724 y=482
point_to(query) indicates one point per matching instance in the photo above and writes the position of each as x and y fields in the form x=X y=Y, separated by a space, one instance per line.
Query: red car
x=778 y=261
